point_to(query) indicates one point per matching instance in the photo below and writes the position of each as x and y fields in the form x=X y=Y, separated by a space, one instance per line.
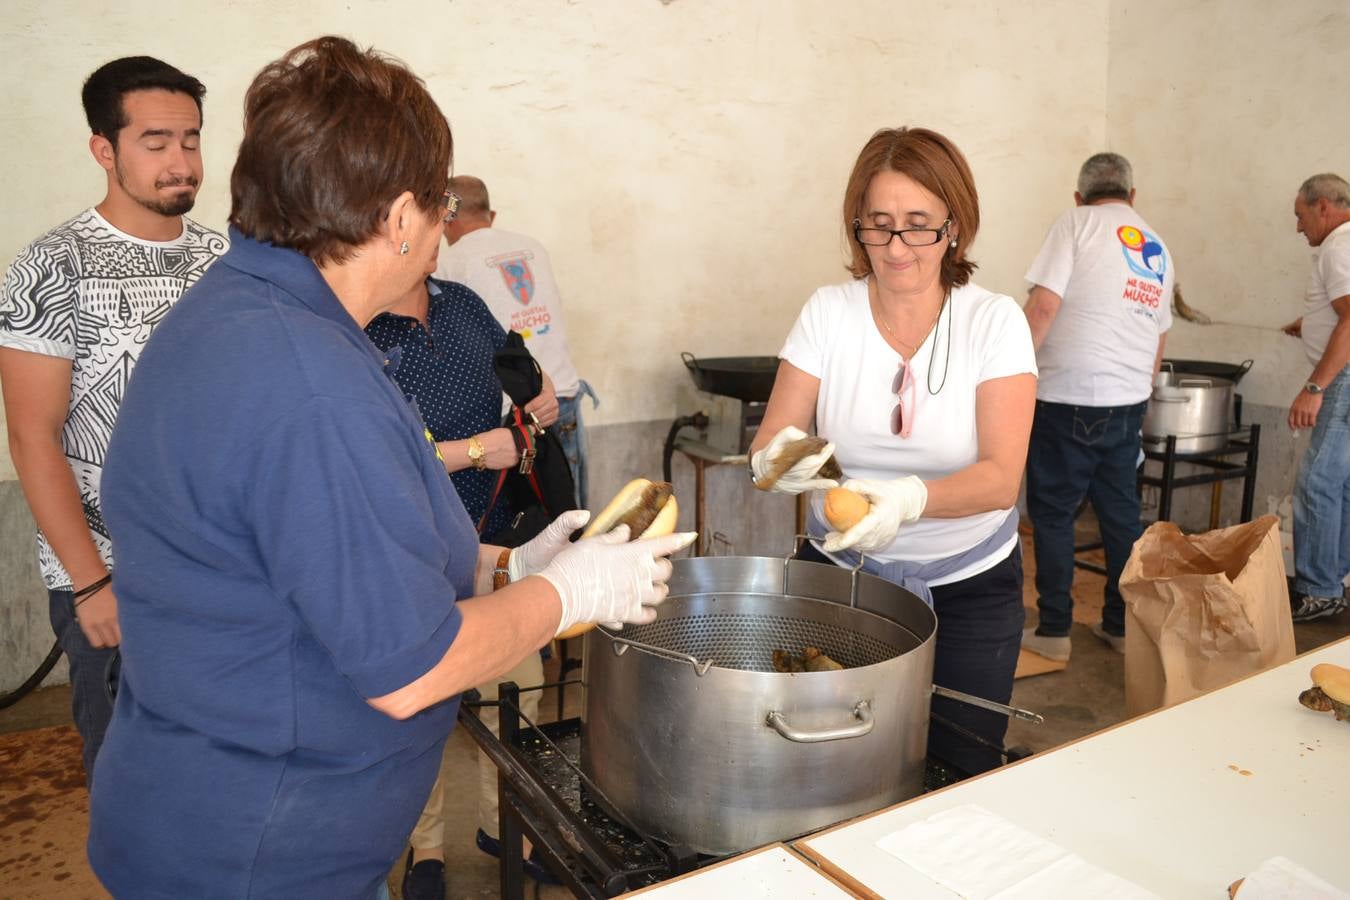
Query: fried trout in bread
x=648 y=508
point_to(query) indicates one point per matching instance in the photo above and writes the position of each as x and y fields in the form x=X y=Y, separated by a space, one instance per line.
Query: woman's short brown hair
x=935 y=163
x=332 y=135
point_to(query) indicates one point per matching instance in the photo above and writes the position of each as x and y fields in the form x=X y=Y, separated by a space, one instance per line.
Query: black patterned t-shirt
x=87 y=292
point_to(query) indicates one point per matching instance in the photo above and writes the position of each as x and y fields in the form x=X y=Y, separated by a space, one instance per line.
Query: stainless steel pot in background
x=1198 y=409
x=691 y=735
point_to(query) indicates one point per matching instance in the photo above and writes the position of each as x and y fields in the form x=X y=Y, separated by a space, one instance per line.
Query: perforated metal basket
x=741 y=631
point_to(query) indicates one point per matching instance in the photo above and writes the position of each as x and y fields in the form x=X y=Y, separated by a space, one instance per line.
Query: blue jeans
x=89 y=700
x=1077 y=452
x=573 y=437
x=1322 y=498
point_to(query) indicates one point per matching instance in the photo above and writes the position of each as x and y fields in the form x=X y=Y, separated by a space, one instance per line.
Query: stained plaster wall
x=683 y=160
x=1224 y=108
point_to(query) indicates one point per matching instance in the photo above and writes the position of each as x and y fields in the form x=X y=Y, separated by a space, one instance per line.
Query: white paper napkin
x=980 y=856
x=1279 y=878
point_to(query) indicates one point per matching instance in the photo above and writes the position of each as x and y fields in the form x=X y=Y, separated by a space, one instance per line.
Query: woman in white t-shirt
x=925 y=385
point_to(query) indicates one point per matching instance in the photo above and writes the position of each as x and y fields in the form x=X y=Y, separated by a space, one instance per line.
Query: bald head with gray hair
x=1105 y=176
x=473 y=196
x=1326 y=186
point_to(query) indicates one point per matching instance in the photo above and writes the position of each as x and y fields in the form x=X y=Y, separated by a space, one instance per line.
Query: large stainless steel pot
x=690 y=734
x=1198 y=409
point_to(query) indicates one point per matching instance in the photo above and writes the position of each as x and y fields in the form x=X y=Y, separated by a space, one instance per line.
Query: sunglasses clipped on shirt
x=902 y=383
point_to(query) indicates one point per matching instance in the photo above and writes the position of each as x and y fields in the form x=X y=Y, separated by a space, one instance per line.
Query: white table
x=1164 y=800
x=771 y=871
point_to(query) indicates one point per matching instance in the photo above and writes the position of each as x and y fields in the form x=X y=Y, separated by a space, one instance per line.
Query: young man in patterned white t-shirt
x=79 y=304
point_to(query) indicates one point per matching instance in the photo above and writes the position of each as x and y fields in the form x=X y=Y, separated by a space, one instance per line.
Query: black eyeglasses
x=913 y=237
x=451 y=203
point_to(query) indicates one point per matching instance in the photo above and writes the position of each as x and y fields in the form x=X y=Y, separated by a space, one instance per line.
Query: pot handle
x=620 y=646
x=862 y=712
x=1158 y=399
x=690 y=362
x=853 y=572
x=1011 y=712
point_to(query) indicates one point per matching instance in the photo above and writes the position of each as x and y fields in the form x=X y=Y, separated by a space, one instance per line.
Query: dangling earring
x=953 y=243
x=403 y=248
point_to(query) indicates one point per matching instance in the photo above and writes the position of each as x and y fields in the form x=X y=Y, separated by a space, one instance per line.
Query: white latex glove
x=802 y=476
x=608 y=579
x=531 y=557
x=893 y=504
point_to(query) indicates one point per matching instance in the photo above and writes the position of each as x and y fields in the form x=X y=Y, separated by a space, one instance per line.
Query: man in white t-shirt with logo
x=513 y=275
x=79 y=305
x=1322 y=494
x=1099 y=309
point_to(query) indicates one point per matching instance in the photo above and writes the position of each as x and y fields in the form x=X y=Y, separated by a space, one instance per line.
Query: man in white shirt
x=1322 y=494
x=79 y=305
x=1099 y=309
x=513 y=275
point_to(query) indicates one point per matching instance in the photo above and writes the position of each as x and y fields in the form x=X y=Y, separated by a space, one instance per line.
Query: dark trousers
x=89 y=700
x=979 y=635
x=1077 y=452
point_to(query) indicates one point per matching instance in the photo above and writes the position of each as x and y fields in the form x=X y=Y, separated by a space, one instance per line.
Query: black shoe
x=534 y=865
x=1307 y=608
x=424 y=881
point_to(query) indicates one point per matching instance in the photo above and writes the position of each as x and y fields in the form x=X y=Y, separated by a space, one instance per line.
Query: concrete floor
x=1086 y=697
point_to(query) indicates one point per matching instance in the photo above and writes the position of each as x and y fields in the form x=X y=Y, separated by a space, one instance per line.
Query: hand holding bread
x=641 y=512
x=891 y=504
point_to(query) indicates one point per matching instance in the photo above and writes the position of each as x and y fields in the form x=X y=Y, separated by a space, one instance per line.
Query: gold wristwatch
x=477 y=455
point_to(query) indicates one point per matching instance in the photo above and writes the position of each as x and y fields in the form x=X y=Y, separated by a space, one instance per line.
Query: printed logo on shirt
x=515 y=271
x=1146 y=259
x=532 y=322
x=432 y=441
x=1143 y=252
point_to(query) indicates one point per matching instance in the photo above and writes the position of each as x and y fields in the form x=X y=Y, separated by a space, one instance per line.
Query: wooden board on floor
x=1029 y=664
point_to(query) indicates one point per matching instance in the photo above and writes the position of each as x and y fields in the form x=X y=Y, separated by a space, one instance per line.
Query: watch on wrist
x=1313 y=387
x=477 y=454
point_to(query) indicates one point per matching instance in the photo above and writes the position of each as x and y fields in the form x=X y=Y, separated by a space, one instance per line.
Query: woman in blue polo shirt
x=300 y=587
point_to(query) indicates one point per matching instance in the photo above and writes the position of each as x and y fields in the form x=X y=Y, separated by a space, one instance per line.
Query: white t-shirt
x=1115 y=278
x=836 y=340
x=1329 y=279
x=92 y=294
x=513 y=275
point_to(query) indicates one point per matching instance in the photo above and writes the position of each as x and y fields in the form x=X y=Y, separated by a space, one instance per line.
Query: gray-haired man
x=1099 y=309
x=1322 y=494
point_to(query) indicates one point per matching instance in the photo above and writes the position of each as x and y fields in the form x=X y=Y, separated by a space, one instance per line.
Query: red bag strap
x=496 y=492
x=524 y=439
x=532 y=450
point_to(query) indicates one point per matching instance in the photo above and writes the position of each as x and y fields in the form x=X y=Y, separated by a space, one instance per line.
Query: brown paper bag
x=1202 y=611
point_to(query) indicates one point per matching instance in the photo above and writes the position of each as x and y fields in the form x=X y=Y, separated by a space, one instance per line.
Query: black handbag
x=540 y=487
x=518 y=370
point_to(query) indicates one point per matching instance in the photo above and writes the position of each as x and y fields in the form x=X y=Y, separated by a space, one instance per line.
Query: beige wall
x=682 y=160
x=1224 y=108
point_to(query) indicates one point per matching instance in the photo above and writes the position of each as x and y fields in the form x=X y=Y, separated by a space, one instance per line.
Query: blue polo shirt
x=448 y=366
x=288 y=546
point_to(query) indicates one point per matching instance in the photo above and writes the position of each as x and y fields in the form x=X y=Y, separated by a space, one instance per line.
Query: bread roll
x=844 y=508
x=1333 y=680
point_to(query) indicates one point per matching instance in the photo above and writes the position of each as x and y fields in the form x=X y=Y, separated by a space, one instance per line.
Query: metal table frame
x=529 y=807
x=1245 y=441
